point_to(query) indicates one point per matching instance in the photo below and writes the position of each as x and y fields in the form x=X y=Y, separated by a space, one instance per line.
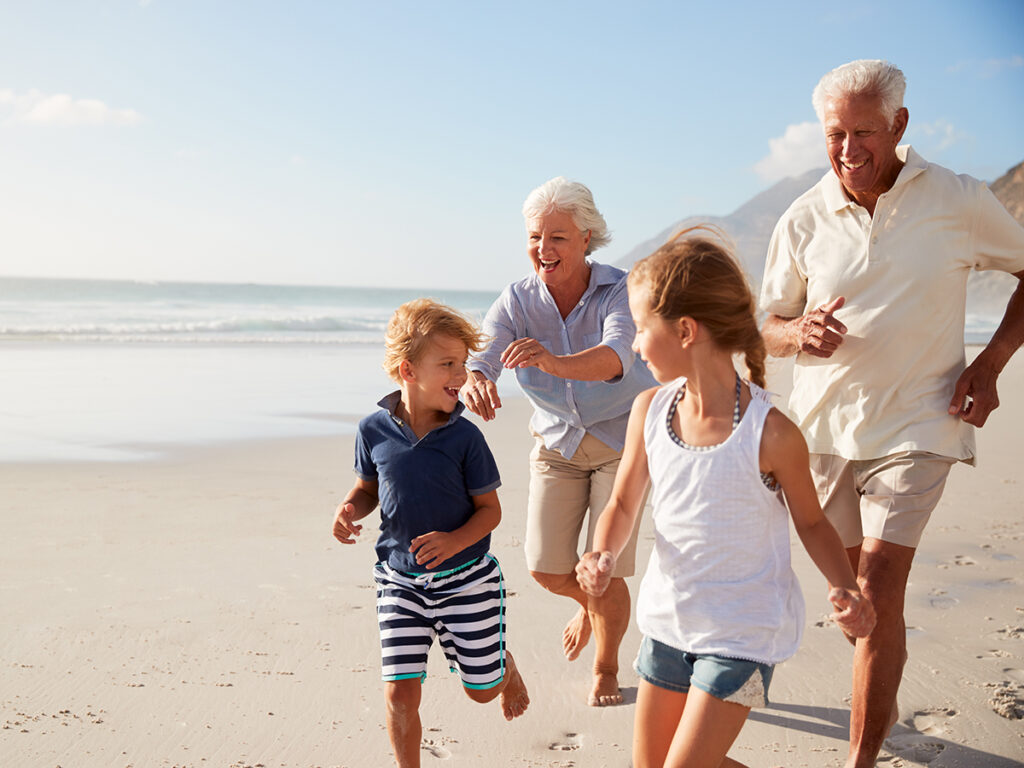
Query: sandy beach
x=194 y=610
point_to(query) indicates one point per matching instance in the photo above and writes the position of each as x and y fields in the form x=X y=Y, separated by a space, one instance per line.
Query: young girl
x=719 y=605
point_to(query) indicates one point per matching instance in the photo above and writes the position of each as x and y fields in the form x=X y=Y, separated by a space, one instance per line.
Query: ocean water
x=116 y=370
x=111 y=370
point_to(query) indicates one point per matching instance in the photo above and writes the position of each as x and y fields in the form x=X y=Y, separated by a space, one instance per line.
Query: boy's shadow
x=902 y=742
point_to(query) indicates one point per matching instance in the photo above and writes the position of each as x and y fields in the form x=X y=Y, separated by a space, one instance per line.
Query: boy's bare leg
x=512 y=689
x=403 y=720
x=608 y=617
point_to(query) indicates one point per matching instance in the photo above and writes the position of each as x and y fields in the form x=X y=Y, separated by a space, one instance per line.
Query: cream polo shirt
x=904 y=275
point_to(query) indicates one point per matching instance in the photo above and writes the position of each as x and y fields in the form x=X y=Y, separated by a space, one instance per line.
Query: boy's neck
x=420 y=419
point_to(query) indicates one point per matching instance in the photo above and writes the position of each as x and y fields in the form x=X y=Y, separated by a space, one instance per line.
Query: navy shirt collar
x=390 y=404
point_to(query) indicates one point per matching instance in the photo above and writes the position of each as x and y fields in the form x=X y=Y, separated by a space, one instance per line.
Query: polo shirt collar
x=390 y=404
x=836 y=199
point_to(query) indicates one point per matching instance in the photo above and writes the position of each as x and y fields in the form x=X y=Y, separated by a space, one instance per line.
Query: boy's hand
x=594 y=572
x=345 y=528
x=432 y=549
x=854 y=613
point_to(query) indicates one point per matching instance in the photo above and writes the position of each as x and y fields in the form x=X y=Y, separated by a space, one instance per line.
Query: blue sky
x=374 y=143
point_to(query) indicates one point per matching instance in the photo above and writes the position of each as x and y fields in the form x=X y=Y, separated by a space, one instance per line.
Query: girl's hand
x=432 y=549
x=594 y=572
x=854 y=612
x=345 y=529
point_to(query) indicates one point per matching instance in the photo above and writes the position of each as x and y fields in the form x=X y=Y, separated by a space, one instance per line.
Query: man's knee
x=883 y=570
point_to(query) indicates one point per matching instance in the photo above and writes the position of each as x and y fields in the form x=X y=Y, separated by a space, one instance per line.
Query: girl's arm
x=784 y=454
x=432 y=549
x=594 y=570
x=359 y=502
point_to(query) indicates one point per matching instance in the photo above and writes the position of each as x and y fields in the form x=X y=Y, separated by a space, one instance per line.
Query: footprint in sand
x=932 y=721
x=1008 y=698
x=1016 y=675
x=568 y=743
x=915 y=747
x=964 y=560
x=944 y=602
x=435 y=749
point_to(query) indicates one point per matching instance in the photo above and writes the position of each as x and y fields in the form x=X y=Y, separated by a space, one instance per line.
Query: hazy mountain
x=750 y=228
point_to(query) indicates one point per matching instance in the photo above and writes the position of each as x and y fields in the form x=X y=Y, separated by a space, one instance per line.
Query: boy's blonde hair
x=413 y=325
x=698 y=277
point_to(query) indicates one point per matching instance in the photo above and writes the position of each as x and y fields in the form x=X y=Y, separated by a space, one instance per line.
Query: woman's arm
x=599 y=363
x=614 y=527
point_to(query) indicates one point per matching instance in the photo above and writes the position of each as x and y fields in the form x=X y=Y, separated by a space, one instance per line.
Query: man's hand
x=345 y=528
x=594 y=572
x=480 y=395
x=975 y=396
x=432 y=549
x=854 y=613
x=819 y=333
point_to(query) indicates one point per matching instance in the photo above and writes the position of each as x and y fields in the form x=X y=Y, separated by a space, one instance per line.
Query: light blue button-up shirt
x=566 y=409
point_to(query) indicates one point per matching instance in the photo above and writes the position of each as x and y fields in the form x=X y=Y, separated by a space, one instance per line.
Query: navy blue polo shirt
x=423 y=485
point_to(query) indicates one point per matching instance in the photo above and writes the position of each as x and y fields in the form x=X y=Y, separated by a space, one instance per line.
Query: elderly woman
x=566 y=331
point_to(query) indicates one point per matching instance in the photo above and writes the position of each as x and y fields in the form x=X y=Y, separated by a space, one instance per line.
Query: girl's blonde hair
x=415 y=322
x=697 y=276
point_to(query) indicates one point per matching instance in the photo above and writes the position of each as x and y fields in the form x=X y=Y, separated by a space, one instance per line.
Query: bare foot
x=576 y=634
x=606 y=691
x=514 y=698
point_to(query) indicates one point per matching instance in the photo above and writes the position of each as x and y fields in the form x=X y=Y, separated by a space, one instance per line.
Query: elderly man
x=866 y=283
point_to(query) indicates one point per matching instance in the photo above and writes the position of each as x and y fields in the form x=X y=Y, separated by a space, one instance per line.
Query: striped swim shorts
x=463 y=608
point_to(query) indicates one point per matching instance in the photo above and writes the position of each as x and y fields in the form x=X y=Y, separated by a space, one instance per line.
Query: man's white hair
x=862 y=77
x=574 y=199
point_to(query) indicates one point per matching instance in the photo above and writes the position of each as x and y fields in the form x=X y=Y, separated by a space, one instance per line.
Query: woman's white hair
x=865 y=76
x=573 y=198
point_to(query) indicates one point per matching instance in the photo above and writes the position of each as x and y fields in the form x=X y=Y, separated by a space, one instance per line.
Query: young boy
x=436 y=481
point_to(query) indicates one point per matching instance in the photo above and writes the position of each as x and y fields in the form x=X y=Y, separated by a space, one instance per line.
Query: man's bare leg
x=882 y=570
x=608 y=619
x=403 y=720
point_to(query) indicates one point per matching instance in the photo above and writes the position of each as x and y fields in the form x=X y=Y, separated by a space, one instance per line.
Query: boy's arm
x=359 y=502
x=784 y=454
x=432 y=549
x=594 y=570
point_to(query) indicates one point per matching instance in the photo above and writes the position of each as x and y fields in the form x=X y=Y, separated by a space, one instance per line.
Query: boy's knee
x=403 y=695
x=483 y=695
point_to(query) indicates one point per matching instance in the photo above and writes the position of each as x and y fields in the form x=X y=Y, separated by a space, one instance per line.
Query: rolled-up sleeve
x=617 y=328
x=499 y=327
x=997 y=238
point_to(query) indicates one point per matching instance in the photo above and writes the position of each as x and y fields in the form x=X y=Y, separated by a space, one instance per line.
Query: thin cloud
x=938 y=135
x=39 y=108
x=988 y=67
x=799 y=149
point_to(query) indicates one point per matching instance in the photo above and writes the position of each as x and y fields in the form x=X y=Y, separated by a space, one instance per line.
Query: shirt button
x=568 y=384
x=582 y=302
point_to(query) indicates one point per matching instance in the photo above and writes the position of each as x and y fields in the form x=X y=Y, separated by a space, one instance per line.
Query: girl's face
x=657 y=340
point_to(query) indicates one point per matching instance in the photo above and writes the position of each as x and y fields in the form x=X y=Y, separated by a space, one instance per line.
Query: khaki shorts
x=890 y=498
x=561 y=492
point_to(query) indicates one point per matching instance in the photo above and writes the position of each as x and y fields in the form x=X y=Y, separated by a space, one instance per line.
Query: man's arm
x=817 y=333
x=975 y=395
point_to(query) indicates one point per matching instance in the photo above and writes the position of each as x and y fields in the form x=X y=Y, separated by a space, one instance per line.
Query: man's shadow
x=902 y=742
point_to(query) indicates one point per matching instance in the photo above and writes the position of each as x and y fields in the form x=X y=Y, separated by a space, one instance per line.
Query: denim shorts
x=733 y=680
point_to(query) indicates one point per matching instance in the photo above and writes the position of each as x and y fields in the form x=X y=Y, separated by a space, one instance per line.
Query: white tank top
x=719 y=580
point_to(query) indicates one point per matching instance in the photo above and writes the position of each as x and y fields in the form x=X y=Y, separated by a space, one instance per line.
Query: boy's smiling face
x=434 y=380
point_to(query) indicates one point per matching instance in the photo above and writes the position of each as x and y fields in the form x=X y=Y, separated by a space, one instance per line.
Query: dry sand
x=195 y=611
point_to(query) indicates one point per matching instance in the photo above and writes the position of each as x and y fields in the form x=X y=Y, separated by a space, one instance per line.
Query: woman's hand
x=529 y=353
x=480 y=395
